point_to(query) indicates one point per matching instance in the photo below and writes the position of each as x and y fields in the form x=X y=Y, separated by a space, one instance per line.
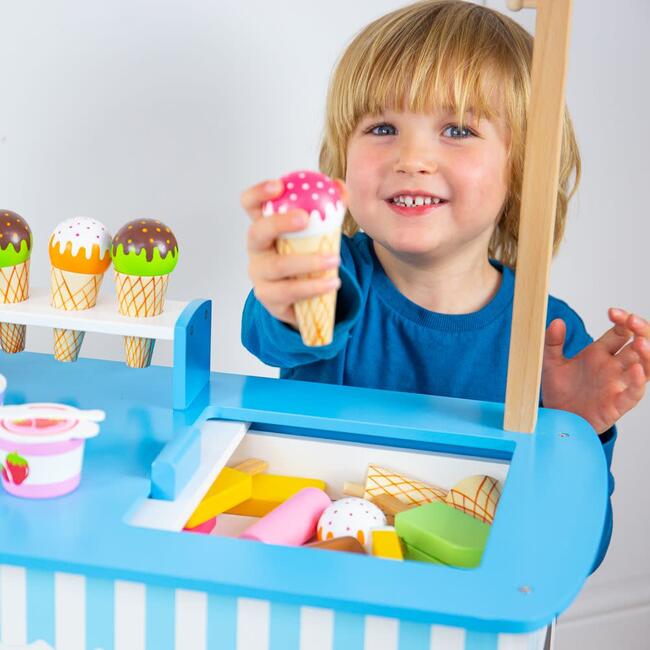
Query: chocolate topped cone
x=152 y=237
x=15 y=251
x=144 y=253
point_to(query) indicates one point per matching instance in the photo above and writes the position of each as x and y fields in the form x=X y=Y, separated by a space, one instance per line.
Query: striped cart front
x=40 y=609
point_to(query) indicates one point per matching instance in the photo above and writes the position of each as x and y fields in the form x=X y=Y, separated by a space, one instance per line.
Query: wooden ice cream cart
x=108 y=566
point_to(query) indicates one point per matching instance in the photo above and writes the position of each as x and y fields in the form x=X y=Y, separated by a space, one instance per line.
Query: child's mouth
x=414 y=205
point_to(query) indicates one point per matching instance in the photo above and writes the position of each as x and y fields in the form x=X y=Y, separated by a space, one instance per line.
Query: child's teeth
x=417 y=201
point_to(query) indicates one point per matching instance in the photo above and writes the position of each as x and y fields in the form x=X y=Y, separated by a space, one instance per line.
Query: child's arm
x=604 y=380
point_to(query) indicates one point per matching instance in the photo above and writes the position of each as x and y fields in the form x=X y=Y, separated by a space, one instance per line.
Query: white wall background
x=169 y=109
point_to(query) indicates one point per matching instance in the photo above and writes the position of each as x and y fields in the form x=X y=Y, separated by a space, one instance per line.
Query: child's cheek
x=360 y=176
x=483 y=176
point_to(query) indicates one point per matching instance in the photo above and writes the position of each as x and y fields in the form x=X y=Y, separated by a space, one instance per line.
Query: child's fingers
x=253 y=198
x=554 y=342
x=628 y=356
x=641 y=346
x=616 y=314
x=273 y=267
x=278 y=295
x=638 y=325
x=634 y=377
x=615 y=338
x=263 y=232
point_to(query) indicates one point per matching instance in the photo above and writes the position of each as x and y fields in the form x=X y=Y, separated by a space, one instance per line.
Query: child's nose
x=415 y=160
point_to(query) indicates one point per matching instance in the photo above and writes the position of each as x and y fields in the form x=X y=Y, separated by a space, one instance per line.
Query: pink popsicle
x=293 y=522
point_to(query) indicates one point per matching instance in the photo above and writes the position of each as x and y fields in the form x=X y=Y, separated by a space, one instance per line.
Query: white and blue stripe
x=71 y=612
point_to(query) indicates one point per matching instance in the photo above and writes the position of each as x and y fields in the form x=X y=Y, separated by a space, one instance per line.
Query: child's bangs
x=450 y=58
x=424 y=87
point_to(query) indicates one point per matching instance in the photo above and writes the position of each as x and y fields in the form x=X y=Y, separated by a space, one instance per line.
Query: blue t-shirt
x=383 y=340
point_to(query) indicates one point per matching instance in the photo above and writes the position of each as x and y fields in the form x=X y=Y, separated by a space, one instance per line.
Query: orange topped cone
x=79 y=251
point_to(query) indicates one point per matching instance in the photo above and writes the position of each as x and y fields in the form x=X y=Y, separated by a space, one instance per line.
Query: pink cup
x=293 y=522
x=41 y=457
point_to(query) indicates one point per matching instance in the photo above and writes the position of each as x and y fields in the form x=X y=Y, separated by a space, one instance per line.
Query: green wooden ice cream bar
x=437 y=532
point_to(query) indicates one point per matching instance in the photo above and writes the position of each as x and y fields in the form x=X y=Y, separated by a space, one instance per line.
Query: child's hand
x=275 y=281
x=606 y=379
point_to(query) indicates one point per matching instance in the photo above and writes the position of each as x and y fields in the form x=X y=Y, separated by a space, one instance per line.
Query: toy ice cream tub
x=42 y=447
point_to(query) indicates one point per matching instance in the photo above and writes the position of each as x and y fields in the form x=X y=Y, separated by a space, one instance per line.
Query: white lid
x=44 y=430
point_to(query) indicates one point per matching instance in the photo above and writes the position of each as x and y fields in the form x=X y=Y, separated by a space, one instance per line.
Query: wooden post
x=538 y=206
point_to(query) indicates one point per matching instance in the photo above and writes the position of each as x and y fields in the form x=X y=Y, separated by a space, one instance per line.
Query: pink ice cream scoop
x=315 y=193
x=293 y=522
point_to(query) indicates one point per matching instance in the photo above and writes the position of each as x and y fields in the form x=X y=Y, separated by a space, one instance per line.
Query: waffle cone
x=67 y=344
x=315 y=315
x=140 y=297
x=14 y=287
x=138 y=351
x=72 y=291
x=12 y=337
x=477 y=496
x=408 y=490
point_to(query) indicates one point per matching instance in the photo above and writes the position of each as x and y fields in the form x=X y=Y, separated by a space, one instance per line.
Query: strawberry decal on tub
x=16 y=469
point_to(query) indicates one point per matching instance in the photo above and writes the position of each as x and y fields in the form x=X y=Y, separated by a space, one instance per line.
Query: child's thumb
x=554 y=341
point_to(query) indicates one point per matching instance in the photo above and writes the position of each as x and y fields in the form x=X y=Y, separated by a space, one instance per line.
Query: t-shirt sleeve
x=277 y=344
x=577 y=338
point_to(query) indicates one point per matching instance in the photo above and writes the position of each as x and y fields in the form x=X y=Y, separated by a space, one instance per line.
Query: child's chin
x=413 y=246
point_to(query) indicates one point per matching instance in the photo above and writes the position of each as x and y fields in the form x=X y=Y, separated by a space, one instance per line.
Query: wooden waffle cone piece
x=72 y=291
x=14 y=287
x=140 y=297
x=477 y=496
x=315 y=315
x=380 y=480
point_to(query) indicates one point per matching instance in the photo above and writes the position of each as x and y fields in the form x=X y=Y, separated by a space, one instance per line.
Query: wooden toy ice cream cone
x=79 y=254
x=409 y=491
x=477 y=495
x=144 y=253
x=15 y=251
x=320 y=197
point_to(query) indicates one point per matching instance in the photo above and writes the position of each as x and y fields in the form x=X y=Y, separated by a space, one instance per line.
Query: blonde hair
x=445 y=54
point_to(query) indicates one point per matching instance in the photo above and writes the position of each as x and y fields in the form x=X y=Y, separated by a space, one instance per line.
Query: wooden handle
x=353 y=489
x=538 y=206
x=252 y=466
x=516 y=5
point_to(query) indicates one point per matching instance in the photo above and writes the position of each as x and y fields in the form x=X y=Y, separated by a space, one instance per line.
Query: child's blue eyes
x=452 y=131
x=457 y=131
x=383 y=129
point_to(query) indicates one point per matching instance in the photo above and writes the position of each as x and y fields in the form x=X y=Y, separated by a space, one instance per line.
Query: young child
x=426 y=120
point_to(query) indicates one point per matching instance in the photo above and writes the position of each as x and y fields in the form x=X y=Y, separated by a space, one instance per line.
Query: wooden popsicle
x=268 y=491
x=232 y=486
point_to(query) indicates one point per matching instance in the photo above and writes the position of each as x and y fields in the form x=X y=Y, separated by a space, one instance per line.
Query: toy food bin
x=109 y=565
x=42 y=454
